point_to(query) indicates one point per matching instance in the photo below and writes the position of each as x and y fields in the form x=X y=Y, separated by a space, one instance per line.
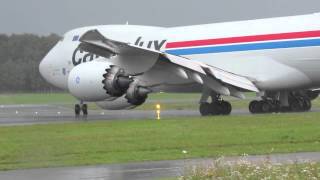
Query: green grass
x=37 y=98
x=88 y=143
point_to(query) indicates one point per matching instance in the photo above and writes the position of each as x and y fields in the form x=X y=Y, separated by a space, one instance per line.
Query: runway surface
x=144 y=171
x=39 y=114
x=42 y=114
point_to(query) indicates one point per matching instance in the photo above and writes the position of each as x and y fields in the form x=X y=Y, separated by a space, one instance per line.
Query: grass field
x=37 y=98
x=88 y=143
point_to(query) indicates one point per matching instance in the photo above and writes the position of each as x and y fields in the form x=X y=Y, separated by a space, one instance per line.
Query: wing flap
x=219 y=74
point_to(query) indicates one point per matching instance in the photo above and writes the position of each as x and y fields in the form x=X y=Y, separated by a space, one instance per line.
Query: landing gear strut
x=78 y=108
x=217 y=106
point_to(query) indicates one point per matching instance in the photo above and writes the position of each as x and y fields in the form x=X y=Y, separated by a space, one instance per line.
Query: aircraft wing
x=219 y=80
x=93 y=41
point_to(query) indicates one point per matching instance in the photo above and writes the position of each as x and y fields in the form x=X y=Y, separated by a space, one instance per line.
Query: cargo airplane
x=117 y=66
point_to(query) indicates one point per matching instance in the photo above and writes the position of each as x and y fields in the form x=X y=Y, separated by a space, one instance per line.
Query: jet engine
x=136 y=94
x=98 y=81
x=312 y=95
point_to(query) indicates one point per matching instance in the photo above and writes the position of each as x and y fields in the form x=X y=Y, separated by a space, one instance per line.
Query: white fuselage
x=277 y=53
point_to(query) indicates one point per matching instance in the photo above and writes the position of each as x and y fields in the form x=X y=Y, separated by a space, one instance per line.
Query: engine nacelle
x=120 y=103
x=136 y=94
x=85 y=81
x=312 y=95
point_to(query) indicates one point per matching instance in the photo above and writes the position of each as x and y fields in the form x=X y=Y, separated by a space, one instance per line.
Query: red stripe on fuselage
x=244 y=39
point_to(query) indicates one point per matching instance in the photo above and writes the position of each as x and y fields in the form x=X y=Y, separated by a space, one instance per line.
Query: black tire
x=205 y=109
x=307 y=105
x=296 y=105
x=84 y=109
x=254 y=107
x=215 y=108
x=276 y=107
x=265 y=107
x=77 y=109
x=285 y=109
x=226 y=108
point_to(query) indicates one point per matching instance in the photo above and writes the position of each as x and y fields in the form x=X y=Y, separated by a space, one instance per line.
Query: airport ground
x=293 y=166
x=96 y=141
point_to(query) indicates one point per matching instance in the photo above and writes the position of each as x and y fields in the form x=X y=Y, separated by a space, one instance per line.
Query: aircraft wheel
x=215 y=108
x=276 y=107
x=296 y=105
x=84 y=109
x=77 y=109
x=265 y=107
x=226 y=108
x=307 y=105
x=205 y=109
x=254 y=107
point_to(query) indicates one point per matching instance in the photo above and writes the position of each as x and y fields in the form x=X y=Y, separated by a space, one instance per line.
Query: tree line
x=20 y=56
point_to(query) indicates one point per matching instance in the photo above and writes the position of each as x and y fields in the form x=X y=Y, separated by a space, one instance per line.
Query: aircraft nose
x=52 y=65
x=44 y=67
x=46 y=64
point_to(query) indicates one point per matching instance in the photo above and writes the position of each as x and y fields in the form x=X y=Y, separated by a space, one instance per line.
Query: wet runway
x=39 y=114
x=145 y=171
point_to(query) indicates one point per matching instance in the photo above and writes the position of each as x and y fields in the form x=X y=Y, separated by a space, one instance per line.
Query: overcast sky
x=59 y=16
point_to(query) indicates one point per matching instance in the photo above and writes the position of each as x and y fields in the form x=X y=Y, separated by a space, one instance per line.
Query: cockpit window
x=76 y=38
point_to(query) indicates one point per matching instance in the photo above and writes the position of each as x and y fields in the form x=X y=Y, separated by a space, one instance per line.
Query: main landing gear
x=217 y=106
x=78 y=108
x=294 y=102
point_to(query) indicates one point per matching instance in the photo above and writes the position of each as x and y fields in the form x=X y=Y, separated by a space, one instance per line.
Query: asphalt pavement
x=40 y=114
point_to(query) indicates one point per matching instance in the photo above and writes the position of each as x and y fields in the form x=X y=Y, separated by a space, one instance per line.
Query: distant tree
x=20 y=56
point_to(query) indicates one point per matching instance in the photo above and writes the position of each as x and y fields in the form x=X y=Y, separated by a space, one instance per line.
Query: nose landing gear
x=78 y=108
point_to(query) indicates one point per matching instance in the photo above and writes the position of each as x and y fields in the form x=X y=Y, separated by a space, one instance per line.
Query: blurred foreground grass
x=244 y=169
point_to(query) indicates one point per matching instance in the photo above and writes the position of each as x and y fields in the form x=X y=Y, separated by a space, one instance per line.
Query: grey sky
x=58 y=16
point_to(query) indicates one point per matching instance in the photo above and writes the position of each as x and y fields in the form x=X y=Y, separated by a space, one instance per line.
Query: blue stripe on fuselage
x=246 y=47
